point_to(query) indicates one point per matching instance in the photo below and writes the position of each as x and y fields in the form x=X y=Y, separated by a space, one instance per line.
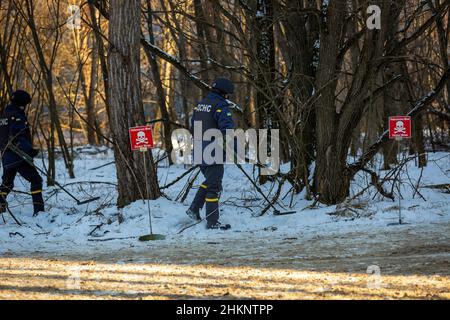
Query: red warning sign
x=400 y=127
x=141 y=138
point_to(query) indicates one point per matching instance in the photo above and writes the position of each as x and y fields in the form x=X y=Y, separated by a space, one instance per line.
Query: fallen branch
x=12 y=215
x=184 y=193
x=438 y=186
x=16 y=234
x=91 y=182
x=111 y=239
x=275 y=198
x=378 y=185
x=104 y=165
x=97 y=227
x=179 y=178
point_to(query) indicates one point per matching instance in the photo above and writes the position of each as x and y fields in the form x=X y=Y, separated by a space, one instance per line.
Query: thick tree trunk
x=266 y=63
x=335 y=121
x=266 y=95
x=126 y=103
x=443 y=36
x=299 y=53
x=330 y=183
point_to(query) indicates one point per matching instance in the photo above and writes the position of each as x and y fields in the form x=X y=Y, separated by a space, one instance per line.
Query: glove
x=33 y=153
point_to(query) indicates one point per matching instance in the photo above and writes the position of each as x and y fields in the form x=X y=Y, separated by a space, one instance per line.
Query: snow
x=66 y=228
x=260 y=14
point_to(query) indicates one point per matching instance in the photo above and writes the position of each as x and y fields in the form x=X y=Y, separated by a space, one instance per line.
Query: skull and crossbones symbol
x=141 y=138
x=399 y=127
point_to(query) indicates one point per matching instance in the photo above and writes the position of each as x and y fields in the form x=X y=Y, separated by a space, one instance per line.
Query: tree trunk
x=91 y=94
x=337 y=121
x=330 y=183
x=101 y=54
x=126 y=102
x=299 y=53
x=266 y=71
x=443 y=36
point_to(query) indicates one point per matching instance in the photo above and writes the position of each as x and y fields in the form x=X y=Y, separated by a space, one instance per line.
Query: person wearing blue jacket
x=14 y=129
x=213 y=112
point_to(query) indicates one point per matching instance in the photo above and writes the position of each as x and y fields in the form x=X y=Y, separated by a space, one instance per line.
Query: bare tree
x=125 y=101
x=46 y=68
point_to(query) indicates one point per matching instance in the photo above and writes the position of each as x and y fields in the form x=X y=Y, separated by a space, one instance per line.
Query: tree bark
x=266 y=95
x=331 y=184
x=126 y=102
x=299 y=52
x=93 y=137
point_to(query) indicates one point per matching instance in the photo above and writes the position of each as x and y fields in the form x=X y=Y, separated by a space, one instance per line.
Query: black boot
x=3 y=203
x=38 y=203
x=38 y=210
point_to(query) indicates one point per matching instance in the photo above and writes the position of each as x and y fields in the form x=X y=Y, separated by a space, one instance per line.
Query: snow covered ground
x=66 y=227
x=318 y=252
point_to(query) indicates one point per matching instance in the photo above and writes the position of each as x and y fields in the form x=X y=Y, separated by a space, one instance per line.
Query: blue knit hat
x=223 y=85
x=21 y=98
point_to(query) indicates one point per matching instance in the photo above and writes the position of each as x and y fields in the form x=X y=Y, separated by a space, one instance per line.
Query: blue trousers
x=29 y=173
x=209 y=192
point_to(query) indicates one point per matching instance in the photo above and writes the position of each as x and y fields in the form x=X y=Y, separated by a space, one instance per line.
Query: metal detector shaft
x=28 y=159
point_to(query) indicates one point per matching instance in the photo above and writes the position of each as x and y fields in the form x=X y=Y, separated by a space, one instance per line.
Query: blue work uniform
x=213 y=113
x=14 y=130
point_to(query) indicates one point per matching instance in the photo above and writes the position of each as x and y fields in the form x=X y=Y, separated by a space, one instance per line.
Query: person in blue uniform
x=14 y=130
x=213 y=113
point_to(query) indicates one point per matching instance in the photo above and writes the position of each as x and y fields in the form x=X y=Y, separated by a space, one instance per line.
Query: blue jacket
x=213 y=113
x=14 y=128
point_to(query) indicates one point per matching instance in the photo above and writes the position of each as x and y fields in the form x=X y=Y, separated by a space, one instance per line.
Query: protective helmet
x=223 y=85
x=21 y=98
